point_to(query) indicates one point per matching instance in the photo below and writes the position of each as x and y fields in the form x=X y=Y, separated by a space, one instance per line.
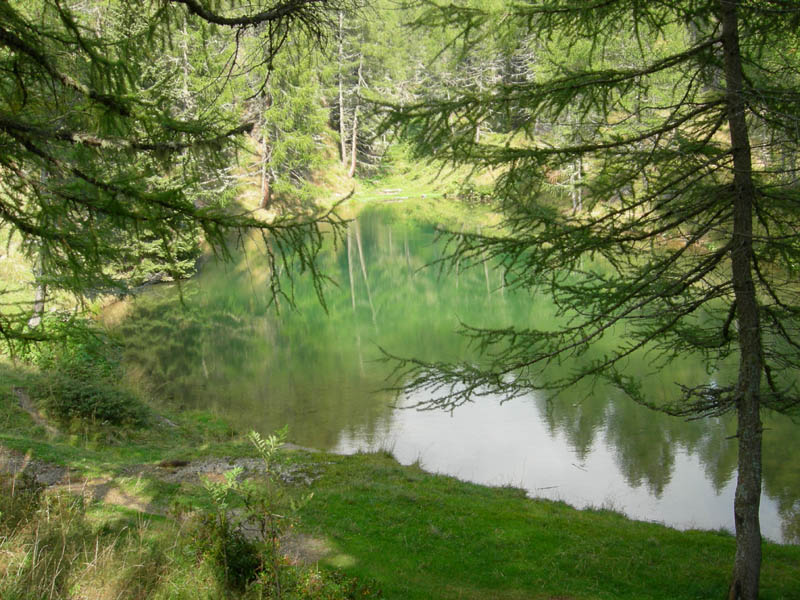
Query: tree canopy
x=683 y=119
x=118 y=132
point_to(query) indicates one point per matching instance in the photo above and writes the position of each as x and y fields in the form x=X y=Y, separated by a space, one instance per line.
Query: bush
x=69 y=398
x=76 y=349
x=78 y=381
x=236 y=560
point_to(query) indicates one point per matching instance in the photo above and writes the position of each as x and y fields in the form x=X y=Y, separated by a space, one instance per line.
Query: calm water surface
x=224 y=349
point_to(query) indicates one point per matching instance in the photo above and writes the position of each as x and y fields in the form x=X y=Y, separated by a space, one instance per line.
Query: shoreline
x=418 y=534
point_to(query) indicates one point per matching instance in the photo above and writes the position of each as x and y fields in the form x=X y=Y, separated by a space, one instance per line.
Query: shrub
x=257 y=566
x=68 y=398
x=77 y=349
x=78 y=381
x=235 y=559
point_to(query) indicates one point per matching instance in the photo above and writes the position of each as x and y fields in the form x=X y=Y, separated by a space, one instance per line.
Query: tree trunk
x=364 y=273
x=747 y=565
x=41 y=295
x=352 y=171
x=38 y=272
x=342 y=144
x=350 y=267
x=186 y=96
x=353 y=143
x=266 y=154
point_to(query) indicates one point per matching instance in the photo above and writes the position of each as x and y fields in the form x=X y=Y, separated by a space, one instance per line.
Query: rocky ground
x=24 y=470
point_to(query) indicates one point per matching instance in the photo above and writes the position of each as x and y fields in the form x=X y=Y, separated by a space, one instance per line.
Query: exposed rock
x=196 y=471
x=43 y=473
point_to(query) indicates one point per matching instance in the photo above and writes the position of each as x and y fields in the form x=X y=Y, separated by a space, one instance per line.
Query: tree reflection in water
x=224 y=348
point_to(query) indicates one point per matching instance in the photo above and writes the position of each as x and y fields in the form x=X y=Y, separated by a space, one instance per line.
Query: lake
x=219 y=345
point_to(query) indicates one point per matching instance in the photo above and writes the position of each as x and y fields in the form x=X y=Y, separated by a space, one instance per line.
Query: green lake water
x=219 y=345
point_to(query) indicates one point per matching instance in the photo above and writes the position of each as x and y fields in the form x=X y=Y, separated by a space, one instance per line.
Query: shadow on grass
x=53 y=546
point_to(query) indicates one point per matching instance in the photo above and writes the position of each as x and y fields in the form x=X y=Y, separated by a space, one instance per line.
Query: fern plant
x=246 y=544
x=272 y=509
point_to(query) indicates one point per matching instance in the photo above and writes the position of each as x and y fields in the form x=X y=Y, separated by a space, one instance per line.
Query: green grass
x=427 y=536
x=107 y=451
x=68 y=546
x=423 y=193
x=65 y=548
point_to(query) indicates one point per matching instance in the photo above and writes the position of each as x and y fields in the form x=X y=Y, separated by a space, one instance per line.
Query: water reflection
x=224 y=349
x=513 y=446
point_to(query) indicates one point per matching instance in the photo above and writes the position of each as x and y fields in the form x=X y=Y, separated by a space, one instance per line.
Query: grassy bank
x=426 y=536
x=425 y=193
x=126 y=527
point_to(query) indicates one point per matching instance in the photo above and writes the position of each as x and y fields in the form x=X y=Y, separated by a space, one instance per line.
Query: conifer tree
x=292 y=126
x=371 y=59
x=110 y=141
x=686 y=119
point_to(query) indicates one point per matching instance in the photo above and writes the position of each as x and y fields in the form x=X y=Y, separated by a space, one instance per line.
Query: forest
x=636 y=163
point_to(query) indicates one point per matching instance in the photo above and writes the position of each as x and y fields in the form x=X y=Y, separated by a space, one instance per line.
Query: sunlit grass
x=428 y=536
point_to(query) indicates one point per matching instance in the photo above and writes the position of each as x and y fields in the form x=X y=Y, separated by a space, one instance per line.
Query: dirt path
x=55 y=477
x=26 y=470
x=27 y=405
x=195 y=472
x=23 y=469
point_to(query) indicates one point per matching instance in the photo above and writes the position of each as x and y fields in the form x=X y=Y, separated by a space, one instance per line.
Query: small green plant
x=248 y=520
x=235 y=557
x=272 y=510
x=242 y=535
